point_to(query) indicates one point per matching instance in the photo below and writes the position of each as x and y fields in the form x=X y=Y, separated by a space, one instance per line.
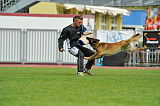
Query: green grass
x=61 y=87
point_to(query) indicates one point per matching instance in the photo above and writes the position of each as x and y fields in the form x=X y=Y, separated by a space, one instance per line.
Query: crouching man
x=71 y=34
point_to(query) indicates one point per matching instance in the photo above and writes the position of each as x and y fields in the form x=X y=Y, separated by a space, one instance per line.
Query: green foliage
x=61 y=87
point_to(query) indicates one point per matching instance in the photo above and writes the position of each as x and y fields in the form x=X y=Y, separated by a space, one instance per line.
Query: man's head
x=77 y=21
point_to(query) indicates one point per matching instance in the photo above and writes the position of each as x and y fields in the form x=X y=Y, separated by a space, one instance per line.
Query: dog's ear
x=97 y=39
x=87 y=38
x=137 y=34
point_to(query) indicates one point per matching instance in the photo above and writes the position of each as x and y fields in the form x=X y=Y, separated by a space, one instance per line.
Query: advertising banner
x=113 y=36
x=151 y=39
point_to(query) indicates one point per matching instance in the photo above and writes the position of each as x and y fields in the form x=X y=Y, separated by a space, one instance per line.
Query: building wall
x=102 y=21
x=44 y=8
x=32 y=38
x=41 y=21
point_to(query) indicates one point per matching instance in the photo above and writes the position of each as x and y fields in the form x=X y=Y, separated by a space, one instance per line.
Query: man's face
x=78 y=22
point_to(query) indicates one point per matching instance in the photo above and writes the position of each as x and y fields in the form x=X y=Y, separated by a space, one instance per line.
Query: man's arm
x=62 y=38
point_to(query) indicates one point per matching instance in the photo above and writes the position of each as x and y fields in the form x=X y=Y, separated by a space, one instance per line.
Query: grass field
x=23 y=86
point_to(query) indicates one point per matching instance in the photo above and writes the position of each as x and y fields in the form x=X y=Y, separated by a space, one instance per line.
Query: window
x=114 y=22
x=103 y=22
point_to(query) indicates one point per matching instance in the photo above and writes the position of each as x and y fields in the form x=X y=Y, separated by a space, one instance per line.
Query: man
x=71 y=34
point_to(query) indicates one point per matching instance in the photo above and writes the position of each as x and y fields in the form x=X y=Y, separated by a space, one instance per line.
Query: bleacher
x=5 y=4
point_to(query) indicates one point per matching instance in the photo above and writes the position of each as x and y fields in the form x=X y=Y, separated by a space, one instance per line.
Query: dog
x=107 y=49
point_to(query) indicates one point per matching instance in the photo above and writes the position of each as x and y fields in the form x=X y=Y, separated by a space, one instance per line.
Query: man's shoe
x=87 y=71
x=80 y=74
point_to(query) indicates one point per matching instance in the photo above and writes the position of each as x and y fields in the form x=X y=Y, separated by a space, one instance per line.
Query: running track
x=74 y=66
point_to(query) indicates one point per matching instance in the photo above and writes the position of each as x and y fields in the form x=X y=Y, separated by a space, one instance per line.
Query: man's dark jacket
x=72 y=33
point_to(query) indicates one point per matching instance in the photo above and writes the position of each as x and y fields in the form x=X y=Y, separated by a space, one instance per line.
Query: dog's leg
x=135 y=49
x=140 y=49
x=93 y=56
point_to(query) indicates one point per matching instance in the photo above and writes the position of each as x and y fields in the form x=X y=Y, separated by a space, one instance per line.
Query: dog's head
x=93 y=41
x=135 y=37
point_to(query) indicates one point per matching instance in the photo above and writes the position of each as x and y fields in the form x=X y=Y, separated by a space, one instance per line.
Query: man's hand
x=61 y=49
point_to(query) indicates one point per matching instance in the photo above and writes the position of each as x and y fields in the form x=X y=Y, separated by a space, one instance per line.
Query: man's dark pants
x=84 y=52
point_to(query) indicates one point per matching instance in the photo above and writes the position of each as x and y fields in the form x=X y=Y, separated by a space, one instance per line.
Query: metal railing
x=5 y=4
x=32 y=46
x=40 y=46
x=143 y=58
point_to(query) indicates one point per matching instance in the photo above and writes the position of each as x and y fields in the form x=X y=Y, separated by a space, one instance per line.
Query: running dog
x=107 y=49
